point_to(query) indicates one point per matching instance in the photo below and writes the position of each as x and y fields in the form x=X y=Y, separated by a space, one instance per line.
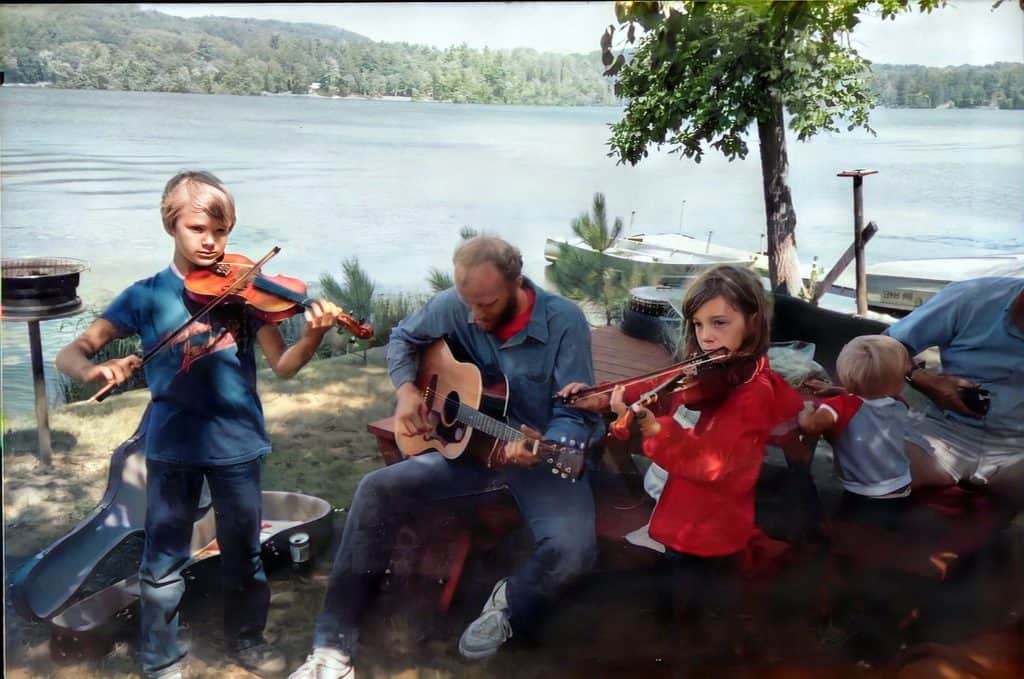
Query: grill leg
x=39 y=381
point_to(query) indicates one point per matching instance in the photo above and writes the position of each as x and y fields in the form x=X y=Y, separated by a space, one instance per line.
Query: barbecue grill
x=40 y=289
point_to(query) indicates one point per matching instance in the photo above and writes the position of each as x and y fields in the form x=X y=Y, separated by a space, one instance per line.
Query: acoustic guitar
x=470 y=416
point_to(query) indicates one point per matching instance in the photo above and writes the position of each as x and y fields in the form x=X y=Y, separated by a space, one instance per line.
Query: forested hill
x=996 y=85
x=123 y=47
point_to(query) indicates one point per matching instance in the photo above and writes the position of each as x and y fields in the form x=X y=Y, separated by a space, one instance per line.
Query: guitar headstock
x=567 y=458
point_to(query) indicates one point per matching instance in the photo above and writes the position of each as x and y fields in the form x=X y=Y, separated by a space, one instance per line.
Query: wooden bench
x=619 y=511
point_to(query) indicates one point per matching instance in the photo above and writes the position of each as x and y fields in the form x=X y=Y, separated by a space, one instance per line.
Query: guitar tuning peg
x=554 y=471
x=563 y=439
x=572 y=442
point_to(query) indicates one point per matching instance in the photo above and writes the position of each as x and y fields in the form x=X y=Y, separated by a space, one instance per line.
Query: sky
x=964 y=32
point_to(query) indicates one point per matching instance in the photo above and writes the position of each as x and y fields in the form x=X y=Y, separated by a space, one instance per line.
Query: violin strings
x=692 y=363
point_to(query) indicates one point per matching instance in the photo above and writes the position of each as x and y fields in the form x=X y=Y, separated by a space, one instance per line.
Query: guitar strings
x=511 y=433
x=492 y=426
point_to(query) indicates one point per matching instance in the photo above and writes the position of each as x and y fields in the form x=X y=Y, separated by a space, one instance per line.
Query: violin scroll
x=358 y=329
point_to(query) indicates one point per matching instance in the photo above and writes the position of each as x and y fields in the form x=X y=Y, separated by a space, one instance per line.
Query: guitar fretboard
x=482 y=422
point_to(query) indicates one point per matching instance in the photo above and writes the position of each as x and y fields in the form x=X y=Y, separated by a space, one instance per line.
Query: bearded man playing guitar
x=539 y=343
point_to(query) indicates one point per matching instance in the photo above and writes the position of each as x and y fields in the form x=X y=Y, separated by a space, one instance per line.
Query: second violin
x=699 y=380
x=272 y=298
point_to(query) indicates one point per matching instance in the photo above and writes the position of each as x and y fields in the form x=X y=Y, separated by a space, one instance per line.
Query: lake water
x=392 y=183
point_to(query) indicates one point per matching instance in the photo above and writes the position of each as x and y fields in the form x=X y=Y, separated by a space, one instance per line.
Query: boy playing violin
x=205 y=422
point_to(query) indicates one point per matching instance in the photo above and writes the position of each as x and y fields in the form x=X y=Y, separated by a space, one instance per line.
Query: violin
x=236 y=278
x=697 y=382
x=271 y=298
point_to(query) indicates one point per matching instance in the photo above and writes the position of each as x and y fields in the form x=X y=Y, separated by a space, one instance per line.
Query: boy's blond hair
x=204 y=191
x=873 y=366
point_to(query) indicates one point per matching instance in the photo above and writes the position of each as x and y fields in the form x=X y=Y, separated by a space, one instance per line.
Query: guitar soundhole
x=450 y=410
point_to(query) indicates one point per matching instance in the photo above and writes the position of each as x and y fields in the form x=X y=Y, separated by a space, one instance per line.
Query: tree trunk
x=783 y=263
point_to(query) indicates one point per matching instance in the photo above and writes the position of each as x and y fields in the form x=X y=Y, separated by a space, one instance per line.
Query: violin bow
x=240 y=283
x=594 y=398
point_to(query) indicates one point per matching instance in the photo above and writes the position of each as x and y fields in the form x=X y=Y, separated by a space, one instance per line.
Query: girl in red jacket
x=705 y=515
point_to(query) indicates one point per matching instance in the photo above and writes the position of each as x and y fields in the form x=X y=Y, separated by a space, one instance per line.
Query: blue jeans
x=560 y=516
x=172 y=495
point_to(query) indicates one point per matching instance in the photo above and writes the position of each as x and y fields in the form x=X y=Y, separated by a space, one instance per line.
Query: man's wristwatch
x=909 y=376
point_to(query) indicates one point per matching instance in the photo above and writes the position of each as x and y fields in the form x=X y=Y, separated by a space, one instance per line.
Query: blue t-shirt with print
x=205 y=411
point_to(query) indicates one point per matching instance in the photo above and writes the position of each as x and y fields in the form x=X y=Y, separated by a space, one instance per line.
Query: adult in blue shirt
x=978 y=326
x=540 y=343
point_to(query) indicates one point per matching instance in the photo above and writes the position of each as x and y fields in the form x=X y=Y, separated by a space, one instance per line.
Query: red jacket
x=707 y=505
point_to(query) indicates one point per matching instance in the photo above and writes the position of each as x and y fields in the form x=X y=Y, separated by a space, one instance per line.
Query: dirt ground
x=614 y=623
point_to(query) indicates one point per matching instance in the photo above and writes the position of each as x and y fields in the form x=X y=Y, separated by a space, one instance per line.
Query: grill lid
x=40 y=287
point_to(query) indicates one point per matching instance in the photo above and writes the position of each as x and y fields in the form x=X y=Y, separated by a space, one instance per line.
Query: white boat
x=904 y=285
x=893 y=287
x=668 y=254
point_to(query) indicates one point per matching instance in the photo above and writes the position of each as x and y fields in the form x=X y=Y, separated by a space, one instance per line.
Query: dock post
x=858 y=236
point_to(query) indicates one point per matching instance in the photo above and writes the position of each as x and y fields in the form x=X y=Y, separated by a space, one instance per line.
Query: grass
x=607 y=627
x=317 y=425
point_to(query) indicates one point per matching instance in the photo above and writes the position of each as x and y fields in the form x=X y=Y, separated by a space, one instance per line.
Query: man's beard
x=508 y=313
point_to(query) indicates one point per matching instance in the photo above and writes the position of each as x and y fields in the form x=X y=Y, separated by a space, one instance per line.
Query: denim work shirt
x=552 y=351
x=970 y=323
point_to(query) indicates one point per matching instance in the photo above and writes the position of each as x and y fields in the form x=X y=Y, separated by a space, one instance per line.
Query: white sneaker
x=487 y=633
x=325 y=663
x=498 y=599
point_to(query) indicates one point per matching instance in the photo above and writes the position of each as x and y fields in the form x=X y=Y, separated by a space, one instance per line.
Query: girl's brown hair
x=205 y=192
x=742 y=289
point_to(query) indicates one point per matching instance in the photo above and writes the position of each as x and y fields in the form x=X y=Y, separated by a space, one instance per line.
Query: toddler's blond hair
x=873 y=366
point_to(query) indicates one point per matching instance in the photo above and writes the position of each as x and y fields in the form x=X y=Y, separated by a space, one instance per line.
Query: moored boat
x=670 y=254
x=902 y=286
x=896 y=287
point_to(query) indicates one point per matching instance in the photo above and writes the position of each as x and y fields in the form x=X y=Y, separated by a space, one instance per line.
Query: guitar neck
x=486 y=424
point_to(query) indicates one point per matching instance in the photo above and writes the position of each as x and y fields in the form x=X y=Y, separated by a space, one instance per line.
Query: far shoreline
x=428 y=100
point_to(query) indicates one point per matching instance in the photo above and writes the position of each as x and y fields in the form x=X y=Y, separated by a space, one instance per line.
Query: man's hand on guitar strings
x=411 y=413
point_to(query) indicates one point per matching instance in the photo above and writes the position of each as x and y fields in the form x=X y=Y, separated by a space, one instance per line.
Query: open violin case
x=49 y=586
